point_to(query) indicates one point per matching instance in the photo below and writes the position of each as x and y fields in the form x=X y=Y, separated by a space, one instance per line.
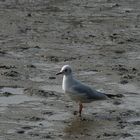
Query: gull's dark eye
x=66 y=70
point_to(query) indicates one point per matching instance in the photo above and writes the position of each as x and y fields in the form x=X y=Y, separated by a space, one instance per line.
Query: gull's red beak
x=58 y=73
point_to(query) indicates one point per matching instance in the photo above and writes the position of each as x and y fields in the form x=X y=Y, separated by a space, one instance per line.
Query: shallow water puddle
x=8 y=98
x=87 y=72
x=130 y=88
x=56 y=88
x=60 y=116
x=16 y=54
x=11 y=90
x=17 y=99
x=37 y=79
x=46 y=66
x=77 y=126
x=133 y=55
x=131 y=95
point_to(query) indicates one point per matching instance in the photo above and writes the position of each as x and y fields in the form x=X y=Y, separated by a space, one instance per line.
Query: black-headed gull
x=78 y=91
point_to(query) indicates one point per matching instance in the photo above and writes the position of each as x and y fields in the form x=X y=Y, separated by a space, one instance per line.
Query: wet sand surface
x=100 y=39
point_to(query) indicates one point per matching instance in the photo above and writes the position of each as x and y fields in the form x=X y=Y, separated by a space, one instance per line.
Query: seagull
x=78 y=91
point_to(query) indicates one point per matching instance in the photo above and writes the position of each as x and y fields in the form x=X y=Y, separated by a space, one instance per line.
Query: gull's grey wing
x=87 y=92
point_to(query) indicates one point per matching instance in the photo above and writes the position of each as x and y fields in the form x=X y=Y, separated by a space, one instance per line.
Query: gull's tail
x=114 y=95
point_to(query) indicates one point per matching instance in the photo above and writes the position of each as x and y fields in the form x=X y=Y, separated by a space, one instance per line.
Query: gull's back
x=84 y=93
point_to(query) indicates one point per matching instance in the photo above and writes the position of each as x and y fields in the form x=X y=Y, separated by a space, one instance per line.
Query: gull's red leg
x=80 y=109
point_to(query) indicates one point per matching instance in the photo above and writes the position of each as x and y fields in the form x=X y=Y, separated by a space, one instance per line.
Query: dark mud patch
x=7 y=67
x=136 y=123
x=52 y=77
x=48 y=113
x=27 y=127
x=110 y=134
x=122 y=69
x=117 y=102
x=119 y=51
x=11 y=74
x=6 y=94
x=129 y=113
x=20 y=131
x=31 y=66
x=127 y=74
x=2 y=53
x=114 y=134
x=125 y=135
x=113 y=96
x=34 y=118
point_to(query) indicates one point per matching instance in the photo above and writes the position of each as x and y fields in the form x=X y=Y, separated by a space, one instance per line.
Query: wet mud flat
x=99 y=39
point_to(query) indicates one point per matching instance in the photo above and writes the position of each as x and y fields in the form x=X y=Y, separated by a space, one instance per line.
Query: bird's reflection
x=80 y=126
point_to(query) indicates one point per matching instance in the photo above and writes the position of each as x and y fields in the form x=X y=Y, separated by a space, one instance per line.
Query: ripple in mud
x=41 y=92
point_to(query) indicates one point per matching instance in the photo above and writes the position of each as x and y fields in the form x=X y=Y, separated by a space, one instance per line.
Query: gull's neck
x=68 y=81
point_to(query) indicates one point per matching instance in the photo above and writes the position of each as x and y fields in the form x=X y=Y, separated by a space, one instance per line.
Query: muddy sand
x=100 y=39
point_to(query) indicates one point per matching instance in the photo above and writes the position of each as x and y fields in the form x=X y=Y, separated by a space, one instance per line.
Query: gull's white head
x=65 y=70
